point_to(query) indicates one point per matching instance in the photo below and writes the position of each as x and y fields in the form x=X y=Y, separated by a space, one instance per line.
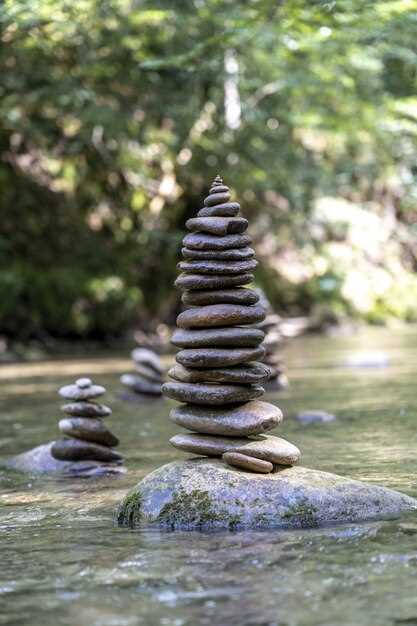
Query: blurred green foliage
x=112 y=124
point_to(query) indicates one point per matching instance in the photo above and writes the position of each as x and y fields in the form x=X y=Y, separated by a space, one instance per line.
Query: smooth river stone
x=248 y=374
x=148 y=373
x=218 y=337
x=86 y=409
x=208 y=445
x=216 y=395
x=77 y=392
x=220 y=226
x=217 y=267
x=141 y=385
x=238 y=254
x=252 y=418
x=224 y=209
x=148 y=358
x=273 y=449
x=218 y=357
x=237 y=459
x=88 y=429
x=77 y=450
x=200 y=281
x=203 y=241
x=217 y=197
x=214 y=315
x=220 y=296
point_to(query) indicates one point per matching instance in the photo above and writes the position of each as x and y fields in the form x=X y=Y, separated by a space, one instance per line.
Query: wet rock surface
x=203 y=494
x=148 y=377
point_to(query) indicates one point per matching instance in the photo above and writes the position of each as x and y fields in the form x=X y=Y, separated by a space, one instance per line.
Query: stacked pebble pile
x=272 y=343
x=149 y=373
x=217 y=375
x=88 y=439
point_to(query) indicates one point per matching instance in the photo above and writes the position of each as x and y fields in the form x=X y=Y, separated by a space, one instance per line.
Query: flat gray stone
x=82 y=391
x=88 y=429
x=201 y=281
x=205 y=494
x=218 y=357
x=252 y=418
x=217 y=267
x=39 y=460
x=86 y=409
x=216 y=395
x=77 y=450
x=315 y=417
x=232 y=336
x=238 y=254
x=264 y=447
x=218 y=196
x=223 y=209
x=204 y=241
x=141 y=385
x=248 y=463
x=213 y=315
x=148 y=358
x=220 y=296
x=220 y=226
x=250 y=373
x=148 y=373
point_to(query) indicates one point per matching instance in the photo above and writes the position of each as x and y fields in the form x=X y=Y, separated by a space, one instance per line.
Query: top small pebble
x=82 y=389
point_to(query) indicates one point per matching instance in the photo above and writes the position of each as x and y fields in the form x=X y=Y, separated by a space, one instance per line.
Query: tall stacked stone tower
x=217 y=376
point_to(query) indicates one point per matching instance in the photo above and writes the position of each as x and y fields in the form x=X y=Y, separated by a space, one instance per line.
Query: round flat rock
x=76 y=392
x=272 y=449
x=148 y=358
x=236 y=459
x=220 y=296
x=207 y=445
x=238 y=254
x=89 y=430
x=86 y=409
x=223 y=209
x=217 y=196
x=220 y=226
x=231 y=337
x=251 y=418
x=218 y=357
x=200 y=281
x=214 y=315
x=216 y=395
x=141 y=385
x=251 y=373
x=217 y=267
x=203 y=241
x=77 y=450
x=148 y=373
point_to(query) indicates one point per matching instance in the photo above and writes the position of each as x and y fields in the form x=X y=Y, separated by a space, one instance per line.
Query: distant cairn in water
x=148 y=377
x=86 y=436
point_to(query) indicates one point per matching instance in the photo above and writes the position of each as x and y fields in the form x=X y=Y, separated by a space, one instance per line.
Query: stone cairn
x=217 y=376
x=149 y=373
x=272 y=343
x=88 y=439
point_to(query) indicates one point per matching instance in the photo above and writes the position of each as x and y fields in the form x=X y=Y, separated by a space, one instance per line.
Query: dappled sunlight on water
x=65 y=563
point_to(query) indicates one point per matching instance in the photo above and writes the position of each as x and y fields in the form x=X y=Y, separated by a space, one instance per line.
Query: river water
x=63 y=561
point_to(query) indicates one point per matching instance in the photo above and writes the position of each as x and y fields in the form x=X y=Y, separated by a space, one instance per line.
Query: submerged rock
x=203 y=494
x=315 y=417
x=39 y=460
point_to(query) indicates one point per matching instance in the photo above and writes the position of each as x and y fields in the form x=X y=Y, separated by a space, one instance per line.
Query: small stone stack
x=273 y=340
x=149 y=373
x=88 y=439
x=217 y=375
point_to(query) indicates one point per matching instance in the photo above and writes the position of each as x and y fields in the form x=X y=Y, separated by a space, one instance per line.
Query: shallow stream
x=63 y=562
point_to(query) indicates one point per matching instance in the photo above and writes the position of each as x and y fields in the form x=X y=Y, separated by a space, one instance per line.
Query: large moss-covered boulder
x=205 y=494
x=39 y=460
